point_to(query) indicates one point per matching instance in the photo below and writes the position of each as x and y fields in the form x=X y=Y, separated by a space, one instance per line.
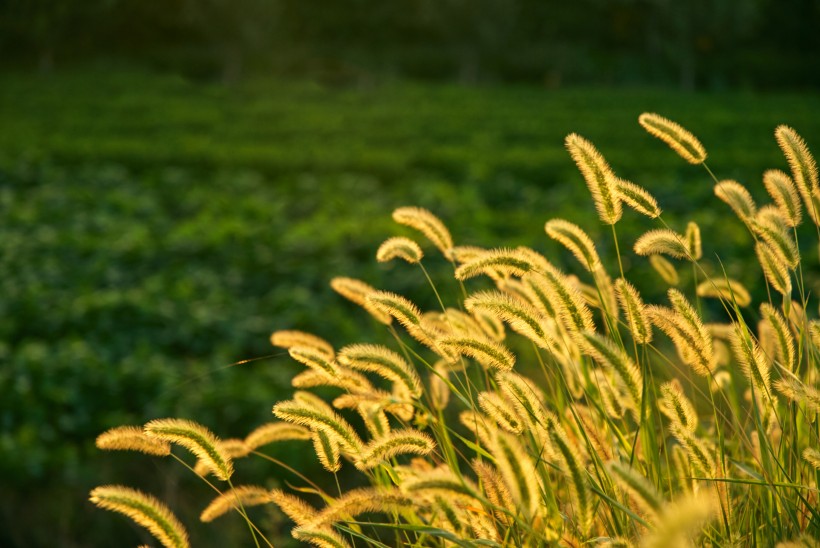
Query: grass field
x=156 y=230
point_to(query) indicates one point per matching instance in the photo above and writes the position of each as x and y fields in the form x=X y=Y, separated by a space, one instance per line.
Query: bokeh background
x=180 y=178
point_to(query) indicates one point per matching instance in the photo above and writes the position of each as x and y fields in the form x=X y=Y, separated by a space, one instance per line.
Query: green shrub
x=548 y=407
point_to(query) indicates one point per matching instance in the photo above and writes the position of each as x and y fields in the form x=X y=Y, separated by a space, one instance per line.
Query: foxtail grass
x=541 y=403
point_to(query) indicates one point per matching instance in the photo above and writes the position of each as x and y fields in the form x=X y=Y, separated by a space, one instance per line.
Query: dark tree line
x=692 y=43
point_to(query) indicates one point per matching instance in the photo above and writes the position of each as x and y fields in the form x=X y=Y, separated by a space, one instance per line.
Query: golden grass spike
x=486 y=351
x=682 y=521
x=501 y=411
x=275 y=431
x=662 y=241
x=290 y=337
x=327 y=450
x=645 y=495
x=569 y=303
x=697 y=451
x=738 y=198
x=799 y=392
x=143 y=509
x=361 y=501
x=691 y=318
x=732 y=291
x=784 y=193
x=784 y=342
x=693 y=349
x=397 y=442
x=509 y=262
x=775 y=268
x=428 y=224
x=132 y=438
x=526 y=397
x=613 y=357
x=357 y=291
x=399 y=247
x=693 y=241
x=634 y=310
x=665 y=269
x=803 y=166
x=638 y=198
x=242 y=496
x=320 y=419
x=522 y=318
x=382 y=361
x=323 y=537
x=599 y=177
x=576 y=240
x=292 y=506
x=675 y=405
x=578 y=482
x=313 y=359
x=812 y=456
x=676 y=136
x=778 y=239
x=197 y=439
x=496 y=492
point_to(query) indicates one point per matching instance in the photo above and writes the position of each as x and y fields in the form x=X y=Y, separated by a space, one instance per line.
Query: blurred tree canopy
x=696 y=43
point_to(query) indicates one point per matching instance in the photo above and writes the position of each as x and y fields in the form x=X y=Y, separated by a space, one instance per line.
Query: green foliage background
x=155 y=231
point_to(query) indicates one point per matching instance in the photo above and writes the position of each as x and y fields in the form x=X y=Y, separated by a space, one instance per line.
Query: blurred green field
x=155 y=231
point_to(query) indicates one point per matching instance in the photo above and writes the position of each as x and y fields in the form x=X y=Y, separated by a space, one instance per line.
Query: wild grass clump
x=538 y=407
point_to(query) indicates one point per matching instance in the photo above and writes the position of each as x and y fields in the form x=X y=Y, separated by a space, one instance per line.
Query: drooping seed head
x=803 y=166
x=599 y=178
x=145 y=510
x=399 y=247
x=428 y=224
x=634 y=310
x=242 y=496
x=678 y=138
x=197 y=439
x=132 y=438
x=638 y=198
x=576 y=240
x=775 y=268
x=784 y=193
x=738 y=198
x=290 y=337
x=662 y=241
